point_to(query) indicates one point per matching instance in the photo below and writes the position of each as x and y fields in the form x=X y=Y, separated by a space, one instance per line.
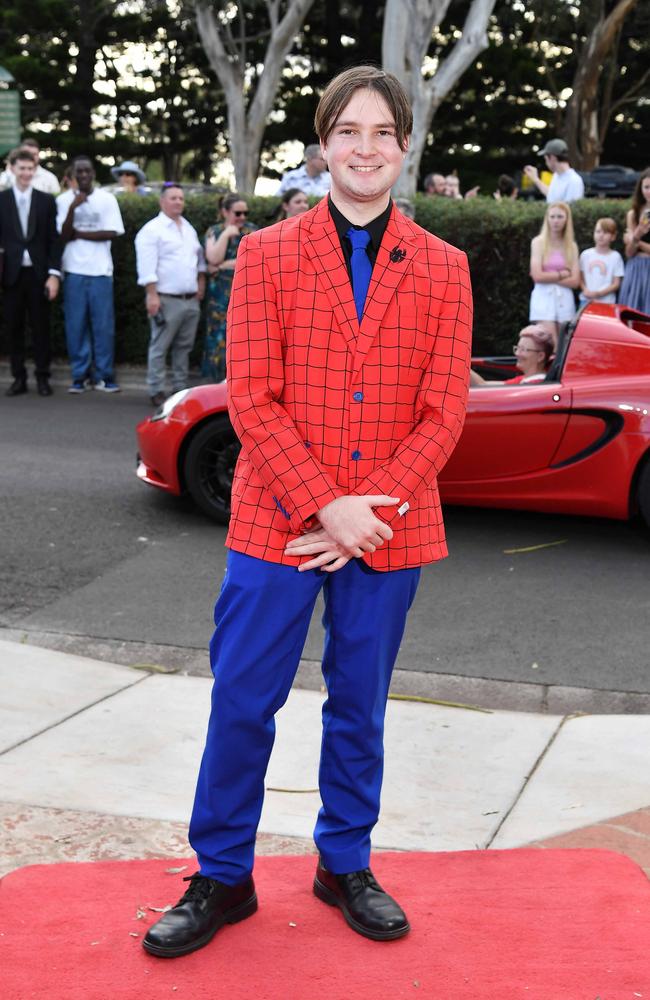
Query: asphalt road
x=96 y=562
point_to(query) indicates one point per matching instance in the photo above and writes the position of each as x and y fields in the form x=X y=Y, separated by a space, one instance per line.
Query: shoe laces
x=201 y=887
x=364 y=879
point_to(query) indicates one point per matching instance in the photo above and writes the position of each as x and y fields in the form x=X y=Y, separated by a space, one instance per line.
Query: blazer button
x=356 y=455
x=358 y=397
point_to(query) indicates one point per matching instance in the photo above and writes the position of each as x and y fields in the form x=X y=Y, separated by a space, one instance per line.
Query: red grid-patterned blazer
x=325 y=406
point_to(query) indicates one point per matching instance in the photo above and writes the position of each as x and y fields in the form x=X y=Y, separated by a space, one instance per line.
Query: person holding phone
x=221 y=244
x=635 y=290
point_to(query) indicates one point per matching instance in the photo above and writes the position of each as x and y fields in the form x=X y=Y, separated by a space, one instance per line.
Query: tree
x=592 y=103
x=409 y=29
x=249 y=89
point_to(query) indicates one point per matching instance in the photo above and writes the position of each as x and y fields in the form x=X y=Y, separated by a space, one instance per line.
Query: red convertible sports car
x=577 y=443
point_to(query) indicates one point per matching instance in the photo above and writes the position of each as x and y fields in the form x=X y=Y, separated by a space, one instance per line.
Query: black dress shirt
x=376 y=229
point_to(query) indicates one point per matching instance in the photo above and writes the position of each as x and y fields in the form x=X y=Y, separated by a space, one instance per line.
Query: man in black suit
x=31 y=258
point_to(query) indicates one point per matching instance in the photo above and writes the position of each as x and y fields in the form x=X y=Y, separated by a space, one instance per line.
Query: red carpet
x=486 y=925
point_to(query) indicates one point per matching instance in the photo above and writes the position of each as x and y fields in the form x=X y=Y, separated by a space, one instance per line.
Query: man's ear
x=323 y=151
x=407 y=143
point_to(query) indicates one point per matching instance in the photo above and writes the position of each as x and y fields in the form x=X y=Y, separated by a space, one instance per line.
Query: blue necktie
x=360 y=266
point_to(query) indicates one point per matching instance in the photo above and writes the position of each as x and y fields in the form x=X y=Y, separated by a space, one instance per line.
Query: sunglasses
x=168 y=184
x=245 y=212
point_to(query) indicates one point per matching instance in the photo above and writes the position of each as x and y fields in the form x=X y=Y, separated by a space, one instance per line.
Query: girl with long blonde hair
x=555 y=269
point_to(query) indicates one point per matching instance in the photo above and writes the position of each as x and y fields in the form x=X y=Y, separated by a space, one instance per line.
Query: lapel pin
x=397 y=255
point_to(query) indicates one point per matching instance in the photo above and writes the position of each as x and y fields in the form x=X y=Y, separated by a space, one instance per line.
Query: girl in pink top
x=555 y=269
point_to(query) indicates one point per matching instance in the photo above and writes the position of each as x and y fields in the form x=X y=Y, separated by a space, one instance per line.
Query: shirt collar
x=376 y=227
x=169 y=222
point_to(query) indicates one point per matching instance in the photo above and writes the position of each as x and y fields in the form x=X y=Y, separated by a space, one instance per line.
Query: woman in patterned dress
x=221 y=243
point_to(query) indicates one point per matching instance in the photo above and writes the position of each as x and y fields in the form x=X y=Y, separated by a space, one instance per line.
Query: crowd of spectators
x=52 y=234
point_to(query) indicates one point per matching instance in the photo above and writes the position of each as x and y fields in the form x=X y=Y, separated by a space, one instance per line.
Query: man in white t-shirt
x=566 y=183
x=601 y=268
x=88 y=220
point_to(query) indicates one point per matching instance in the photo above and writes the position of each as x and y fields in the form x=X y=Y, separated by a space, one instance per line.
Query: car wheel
x=209 y=466
x=643 y=493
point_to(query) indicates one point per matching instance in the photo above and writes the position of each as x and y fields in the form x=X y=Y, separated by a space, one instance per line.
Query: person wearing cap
x=566 y=184
x=130 y=178
x=311 y=177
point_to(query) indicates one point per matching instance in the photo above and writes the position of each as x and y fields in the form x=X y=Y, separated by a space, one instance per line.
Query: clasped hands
x=348 y=529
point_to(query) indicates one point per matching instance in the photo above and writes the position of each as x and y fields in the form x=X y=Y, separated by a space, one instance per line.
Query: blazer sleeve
x=440 y=405
x=297 y=482
x=54 y=246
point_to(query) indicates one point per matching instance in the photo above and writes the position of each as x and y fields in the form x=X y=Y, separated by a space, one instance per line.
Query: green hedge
x=495 y=235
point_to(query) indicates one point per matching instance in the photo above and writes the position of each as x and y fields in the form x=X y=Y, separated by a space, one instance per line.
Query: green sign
x=9 y=113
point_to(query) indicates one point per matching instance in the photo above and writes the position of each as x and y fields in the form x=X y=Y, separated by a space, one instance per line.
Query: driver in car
x=533 y=352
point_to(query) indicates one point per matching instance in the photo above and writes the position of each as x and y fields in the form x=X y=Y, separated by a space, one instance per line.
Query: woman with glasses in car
x=221 y=244
x=533 y=352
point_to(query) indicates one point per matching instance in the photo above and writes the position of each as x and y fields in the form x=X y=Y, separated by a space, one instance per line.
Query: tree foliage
x=130 y=79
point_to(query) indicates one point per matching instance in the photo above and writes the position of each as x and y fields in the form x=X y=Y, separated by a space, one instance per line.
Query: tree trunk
x=247 y=119
x=407 y=32
x=582 y=130
x=81 y=86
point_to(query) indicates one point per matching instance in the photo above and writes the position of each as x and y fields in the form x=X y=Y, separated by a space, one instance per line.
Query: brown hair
x=21 y=154
x=228 y=200
x=340 y=90
x=607 y=225
x=638 y=200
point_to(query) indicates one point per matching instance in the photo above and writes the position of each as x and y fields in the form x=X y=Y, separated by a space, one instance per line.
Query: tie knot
x=359 y=238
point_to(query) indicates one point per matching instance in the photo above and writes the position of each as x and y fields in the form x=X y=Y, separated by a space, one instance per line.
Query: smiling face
x=296 y=205
x=24 y=171
x=84 y=175
x=530 y=360
x=236 y=214
x=363 y=155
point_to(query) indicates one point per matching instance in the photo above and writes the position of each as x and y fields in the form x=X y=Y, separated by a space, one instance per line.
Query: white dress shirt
x=24 y=204
x=170 y=255
x=317 y=186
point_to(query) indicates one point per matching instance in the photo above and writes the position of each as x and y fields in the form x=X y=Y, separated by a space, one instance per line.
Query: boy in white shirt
x=601 y=268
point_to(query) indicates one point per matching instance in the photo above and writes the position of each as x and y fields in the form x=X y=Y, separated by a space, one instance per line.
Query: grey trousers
x=177 y=333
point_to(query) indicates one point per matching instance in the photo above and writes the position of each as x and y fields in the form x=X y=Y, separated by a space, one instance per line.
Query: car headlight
x=170 y=404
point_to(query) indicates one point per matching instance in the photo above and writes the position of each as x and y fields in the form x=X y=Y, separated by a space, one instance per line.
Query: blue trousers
x=89 y=324
x=262 y=617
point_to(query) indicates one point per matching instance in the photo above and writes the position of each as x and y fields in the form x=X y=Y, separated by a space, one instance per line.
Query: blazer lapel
x=31 y=221
x=394 y=259
x=13 y=209
x=323 y=248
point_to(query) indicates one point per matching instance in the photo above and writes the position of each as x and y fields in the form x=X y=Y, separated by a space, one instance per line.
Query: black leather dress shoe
x=367 y=908
x=206 y=906
x=17 y=387
x=43 y=386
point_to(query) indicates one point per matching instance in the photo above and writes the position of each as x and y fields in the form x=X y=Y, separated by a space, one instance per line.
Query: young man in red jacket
x=348 y=366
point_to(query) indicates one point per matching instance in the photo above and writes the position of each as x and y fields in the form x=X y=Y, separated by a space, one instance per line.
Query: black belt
x=179 y=295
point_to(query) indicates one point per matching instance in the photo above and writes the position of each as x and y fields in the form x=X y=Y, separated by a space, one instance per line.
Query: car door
x=510 y=430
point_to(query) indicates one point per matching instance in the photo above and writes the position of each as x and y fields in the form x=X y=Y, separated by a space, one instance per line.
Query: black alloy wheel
x=209 y=466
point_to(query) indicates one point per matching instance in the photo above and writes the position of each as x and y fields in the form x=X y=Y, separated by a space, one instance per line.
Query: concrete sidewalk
x=99 y=760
